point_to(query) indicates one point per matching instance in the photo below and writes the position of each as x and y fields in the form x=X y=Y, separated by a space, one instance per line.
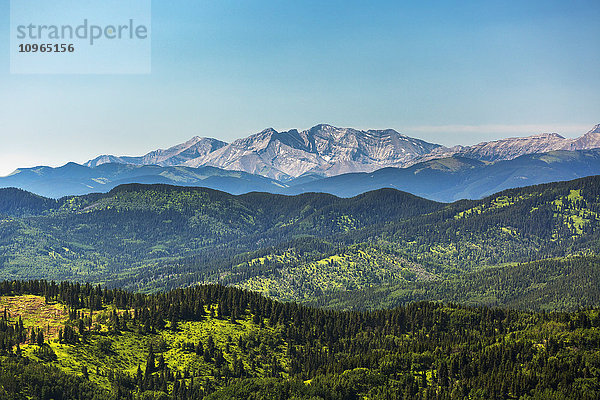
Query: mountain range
x=507 y=149
x=144 y=269
x=325 y=150
x=340 y=161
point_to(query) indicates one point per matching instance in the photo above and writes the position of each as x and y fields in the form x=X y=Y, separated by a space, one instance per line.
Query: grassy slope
x=35 y=313
x=125 y=351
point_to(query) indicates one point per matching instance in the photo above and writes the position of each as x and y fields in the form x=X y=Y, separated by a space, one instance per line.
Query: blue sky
x=449 y=72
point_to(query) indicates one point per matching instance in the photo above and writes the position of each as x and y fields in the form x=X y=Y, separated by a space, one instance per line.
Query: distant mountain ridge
x=176 y=155
x=340 y=161
x=325 y=150
x=75 y=179
x=445 y=179
x=454 y=178
x=508 y=149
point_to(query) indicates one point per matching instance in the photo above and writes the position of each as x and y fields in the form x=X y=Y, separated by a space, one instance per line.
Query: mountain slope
x=17 y=202
x=517 y=225
x=566 y=284
x=590 y=140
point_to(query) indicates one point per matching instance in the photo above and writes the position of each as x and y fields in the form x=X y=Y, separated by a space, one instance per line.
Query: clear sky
x=450 y=72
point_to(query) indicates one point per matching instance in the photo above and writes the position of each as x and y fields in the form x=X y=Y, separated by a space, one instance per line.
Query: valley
x=172 y=292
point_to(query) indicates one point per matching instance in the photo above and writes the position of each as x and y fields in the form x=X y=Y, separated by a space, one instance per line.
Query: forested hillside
x=519 y=225
x=565 y=284
x=18 y=203
x=156 y=237
x=104 y=237
x=411 y=274
x=80 y=341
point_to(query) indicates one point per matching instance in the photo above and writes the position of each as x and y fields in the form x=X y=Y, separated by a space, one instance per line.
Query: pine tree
x=150 y=363
x=40 y=338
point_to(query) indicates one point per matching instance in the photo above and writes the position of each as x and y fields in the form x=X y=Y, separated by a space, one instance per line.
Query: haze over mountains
x=75 y=179
x=340 y=161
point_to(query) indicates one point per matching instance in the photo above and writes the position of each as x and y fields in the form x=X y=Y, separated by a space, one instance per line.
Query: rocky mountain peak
x=322 y=150
x=256 y=141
